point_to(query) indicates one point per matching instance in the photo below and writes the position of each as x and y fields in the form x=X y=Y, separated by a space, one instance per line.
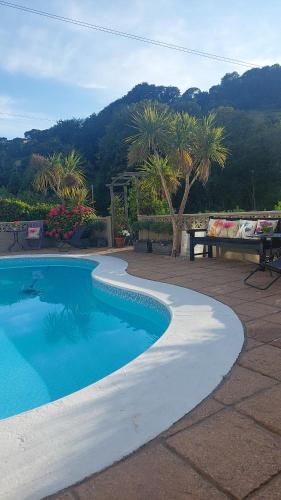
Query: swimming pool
x=61 y=330
x=57 y=444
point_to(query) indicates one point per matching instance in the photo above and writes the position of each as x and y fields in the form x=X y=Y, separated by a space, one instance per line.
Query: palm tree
x=61 y=174
x=186 y=143
x=152 y=181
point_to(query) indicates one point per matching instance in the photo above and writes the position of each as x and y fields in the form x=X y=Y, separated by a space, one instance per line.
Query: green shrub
x=278 y=206
x=14 y=209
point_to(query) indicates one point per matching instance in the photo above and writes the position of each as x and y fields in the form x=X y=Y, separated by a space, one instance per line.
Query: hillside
x=248 y=106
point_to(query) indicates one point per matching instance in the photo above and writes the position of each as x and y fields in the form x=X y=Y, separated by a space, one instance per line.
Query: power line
x=139 y=38
x=29 y=117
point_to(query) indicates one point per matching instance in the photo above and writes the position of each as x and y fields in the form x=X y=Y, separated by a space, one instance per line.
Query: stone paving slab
x=230 y=445
x=265 y=408
x=241 y=384
x=153 y=473
x=226 y=446
x=265 y=359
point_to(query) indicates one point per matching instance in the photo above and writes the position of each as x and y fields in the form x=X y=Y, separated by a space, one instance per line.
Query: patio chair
x=34 y=234
x=273 y=266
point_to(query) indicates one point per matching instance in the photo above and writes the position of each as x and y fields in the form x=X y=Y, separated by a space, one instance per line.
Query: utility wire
x=132 y=36
x=29 y=117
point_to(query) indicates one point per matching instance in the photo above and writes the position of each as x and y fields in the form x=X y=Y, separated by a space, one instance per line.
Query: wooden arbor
x=121 y=183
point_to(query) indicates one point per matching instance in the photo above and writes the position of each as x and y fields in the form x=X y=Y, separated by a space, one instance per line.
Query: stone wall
x=200 y=221
x=6 y=235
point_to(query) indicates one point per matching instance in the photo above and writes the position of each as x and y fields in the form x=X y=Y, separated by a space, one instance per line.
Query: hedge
x=12 y=209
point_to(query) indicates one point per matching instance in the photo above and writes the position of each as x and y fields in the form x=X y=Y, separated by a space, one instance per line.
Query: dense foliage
x=247 y=106
x=12 y=209
x=61 y=221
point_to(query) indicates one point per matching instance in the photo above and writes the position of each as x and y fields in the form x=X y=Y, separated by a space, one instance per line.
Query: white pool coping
x=60 y=443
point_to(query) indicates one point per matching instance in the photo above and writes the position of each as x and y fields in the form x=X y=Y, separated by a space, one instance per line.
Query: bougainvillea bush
x=62 y=222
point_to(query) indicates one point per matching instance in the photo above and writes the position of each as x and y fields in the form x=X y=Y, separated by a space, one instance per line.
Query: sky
x=51 y=70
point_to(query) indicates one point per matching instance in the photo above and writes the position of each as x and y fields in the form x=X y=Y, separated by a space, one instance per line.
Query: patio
x=230 y=445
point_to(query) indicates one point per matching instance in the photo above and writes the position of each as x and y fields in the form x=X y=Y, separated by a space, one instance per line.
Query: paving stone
x=271 y=491
x=251 y=343
x=64 y=495
x=255 y=310
x=275 y=318
x=237 y=453
x=276 y=343
x=240 y=384
x=272 y=300
x=229 y=300
x=265 y=408
x=202 y=411
x=154 y=473
x=262 y=330
x=265 y=359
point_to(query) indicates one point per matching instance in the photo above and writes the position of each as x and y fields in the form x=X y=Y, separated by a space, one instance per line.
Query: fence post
x=109 y=230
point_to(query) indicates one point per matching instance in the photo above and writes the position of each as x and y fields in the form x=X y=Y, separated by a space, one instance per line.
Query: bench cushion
x=215 y=227
x=246 y=228
x=266 y=226
x=230 y=229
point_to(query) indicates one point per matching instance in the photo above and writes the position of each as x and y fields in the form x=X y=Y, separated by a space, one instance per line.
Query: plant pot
x=142 y=246
x=119 y=241
x=162 y=247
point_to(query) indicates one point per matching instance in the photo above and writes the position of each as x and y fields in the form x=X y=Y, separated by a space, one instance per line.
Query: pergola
x=122 y=181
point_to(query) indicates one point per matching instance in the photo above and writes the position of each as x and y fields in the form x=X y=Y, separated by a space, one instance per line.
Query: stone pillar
x=109 y=231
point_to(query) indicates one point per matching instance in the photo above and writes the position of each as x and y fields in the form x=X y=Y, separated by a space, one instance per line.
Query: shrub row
x=12 y=209
x=155 y=227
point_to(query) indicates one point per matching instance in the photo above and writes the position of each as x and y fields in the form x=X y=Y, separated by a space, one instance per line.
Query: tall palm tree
x=196 y=145
x=152 y=181
x=61 y=174
x=190 y=145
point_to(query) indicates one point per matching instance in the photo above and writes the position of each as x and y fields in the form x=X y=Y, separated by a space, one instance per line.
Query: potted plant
x=120 y=238
x=162 y=246
x=142 y=245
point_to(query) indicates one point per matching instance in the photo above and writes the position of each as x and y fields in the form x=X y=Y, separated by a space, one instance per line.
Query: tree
x=62 y=175
x=188 y=144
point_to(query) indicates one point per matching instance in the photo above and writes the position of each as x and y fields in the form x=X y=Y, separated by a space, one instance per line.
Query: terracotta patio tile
x=238 y=454
x=262 y=330
x=275 y=318
x=271 y=491
x=205 y=409
x=255 y=310
x=154 y=473
x=63 y=495
x=276 y=343
x=240 y=384
x=272 y=300
x=251 y=344
x=265 y=408
x=265 y=359
x=250 y=294
x=228 y=299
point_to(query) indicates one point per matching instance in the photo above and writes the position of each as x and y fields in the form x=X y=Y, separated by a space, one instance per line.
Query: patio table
x=16 y=230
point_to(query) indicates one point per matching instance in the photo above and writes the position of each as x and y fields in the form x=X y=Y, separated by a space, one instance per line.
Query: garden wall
x=6 y=238
x=200 y=221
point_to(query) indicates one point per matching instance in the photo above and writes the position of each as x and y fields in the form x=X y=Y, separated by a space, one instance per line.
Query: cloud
x=92 y=60
x=108 y=66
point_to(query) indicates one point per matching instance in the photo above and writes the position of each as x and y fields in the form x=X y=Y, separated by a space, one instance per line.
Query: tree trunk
x=176 y=250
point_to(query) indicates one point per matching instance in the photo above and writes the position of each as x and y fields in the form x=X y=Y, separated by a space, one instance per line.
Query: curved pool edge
x=48 y=448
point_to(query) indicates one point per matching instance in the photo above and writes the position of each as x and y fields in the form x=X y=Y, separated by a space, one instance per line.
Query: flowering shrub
x=62 y=222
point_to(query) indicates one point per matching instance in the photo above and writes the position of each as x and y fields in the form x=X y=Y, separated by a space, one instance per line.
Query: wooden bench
x=259 y=245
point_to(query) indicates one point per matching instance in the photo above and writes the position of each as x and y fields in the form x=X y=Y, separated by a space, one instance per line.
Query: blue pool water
x=60 y=330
